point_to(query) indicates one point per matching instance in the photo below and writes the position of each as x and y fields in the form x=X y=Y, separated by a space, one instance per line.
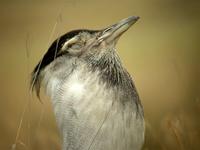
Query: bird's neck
x=110 y=67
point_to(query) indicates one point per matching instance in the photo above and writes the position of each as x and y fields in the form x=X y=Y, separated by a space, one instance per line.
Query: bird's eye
x=75 y=46
x=69 y=43
x=74 y=49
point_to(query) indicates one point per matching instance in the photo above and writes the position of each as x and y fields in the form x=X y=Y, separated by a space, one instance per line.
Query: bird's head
x=82 y=44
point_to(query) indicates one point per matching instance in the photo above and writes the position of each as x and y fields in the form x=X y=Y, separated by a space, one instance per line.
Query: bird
x=94 y=98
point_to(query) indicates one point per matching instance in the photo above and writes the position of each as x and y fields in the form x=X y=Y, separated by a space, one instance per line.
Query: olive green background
x=161 y=51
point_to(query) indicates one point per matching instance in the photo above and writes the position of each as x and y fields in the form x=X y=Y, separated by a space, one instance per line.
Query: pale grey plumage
x=93 y=96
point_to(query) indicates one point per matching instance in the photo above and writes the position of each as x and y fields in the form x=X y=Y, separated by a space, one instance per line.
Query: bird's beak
x=113 y=32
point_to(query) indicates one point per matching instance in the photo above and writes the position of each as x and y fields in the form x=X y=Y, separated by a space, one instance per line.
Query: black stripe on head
x=50 y=55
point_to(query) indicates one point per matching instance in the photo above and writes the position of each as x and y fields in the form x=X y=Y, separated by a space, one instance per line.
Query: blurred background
x=161 y=51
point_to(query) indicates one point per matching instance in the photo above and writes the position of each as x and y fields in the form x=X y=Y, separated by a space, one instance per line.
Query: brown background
x=161 y=51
